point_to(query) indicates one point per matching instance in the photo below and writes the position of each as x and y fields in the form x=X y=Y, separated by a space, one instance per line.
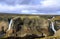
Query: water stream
x=10 y=24
x=52 y=26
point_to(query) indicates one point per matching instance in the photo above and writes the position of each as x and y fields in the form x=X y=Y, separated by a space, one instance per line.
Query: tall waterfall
x=52 y=26
x=10 y=24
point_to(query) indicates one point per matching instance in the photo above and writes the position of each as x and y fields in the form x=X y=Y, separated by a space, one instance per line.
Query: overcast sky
x=30 y=6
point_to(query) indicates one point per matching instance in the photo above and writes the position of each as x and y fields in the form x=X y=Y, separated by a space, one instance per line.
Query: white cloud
x=10 y=7
x=29 y=11
x=50 y=3
x=45 y=6
x=17 y=7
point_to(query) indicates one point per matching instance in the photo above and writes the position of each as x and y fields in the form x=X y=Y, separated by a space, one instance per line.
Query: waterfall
x=10 y=24
x=52 y=26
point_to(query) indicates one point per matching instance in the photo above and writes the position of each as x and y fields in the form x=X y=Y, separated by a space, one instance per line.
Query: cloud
x=30 y=7
x=18 y=8
x=50 y=3
x=29 y=11
x=24 y=2
x=50 y=6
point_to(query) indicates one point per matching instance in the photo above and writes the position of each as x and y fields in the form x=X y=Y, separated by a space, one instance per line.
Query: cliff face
x=25 y=25
x=28 y=25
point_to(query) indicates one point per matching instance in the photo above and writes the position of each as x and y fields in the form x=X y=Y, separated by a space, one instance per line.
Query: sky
x=30 y=6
